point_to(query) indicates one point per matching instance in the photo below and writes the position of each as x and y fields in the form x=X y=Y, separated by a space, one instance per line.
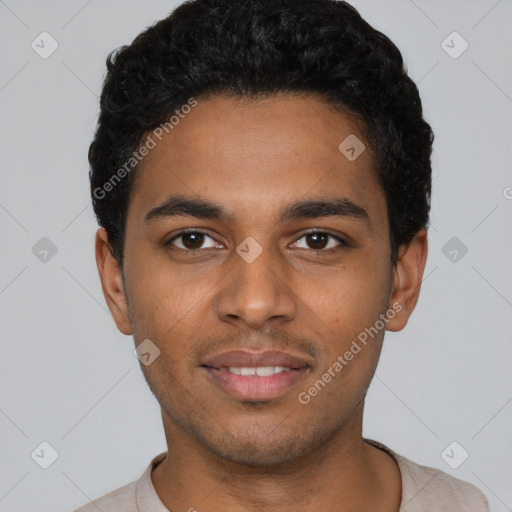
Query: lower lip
x=253 y=387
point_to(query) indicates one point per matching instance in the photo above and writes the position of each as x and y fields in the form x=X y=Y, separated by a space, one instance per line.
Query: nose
x=257 y=293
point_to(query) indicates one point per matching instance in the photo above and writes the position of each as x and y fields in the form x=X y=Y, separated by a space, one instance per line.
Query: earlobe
x=112 y=282
x=407 y=280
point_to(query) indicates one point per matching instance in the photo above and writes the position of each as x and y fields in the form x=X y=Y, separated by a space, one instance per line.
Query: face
x=248 y=230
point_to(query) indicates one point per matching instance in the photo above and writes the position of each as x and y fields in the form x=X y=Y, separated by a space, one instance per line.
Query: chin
x=257 y=448
x=257 y=455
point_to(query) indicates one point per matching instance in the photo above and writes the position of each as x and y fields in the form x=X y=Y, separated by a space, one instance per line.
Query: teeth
x=260 y=371
x=266 y=371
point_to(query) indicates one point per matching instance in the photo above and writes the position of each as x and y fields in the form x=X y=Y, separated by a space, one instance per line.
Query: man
x=261 y=174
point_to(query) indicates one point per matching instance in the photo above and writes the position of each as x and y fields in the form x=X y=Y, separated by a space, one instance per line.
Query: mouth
x=255 y=376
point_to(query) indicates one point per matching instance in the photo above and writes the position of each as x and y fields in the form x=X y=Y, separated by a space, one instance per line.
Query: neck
x=343 y=474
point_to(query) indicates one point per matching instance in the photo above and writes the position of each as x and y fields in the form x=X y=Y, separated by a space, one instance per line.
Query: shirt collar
x=145 y=495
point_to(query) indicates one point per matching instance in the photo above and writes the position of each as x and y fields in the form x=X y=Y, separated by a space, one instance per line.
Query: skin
x=254 y=159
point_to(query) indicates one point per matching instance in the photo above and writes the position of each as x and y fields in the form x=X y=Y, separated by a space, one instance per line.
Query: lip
x=254 y=387
x=249 y=359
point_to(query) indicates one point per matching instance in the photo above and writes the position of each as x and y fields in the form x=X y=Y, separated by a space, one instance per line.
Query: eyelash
x=343 y=243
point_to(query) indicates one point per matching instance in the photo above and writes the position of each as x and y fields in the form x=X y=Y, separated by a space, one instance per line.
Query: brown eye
x=317 y=240
x=320 y=241
x=192 y=241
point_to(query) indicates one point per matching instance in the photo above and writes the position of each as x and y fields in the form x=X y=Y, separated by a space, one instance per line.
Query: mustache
x=269 y=340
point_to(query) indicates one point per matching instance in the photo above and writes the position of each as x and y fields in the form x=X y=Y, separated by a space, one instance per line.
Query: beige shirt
x=424 y=489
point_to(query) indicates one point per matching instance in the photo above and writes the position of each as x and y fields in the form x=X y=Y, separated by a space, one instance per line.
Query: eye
x=320 y=241
x=192 y=240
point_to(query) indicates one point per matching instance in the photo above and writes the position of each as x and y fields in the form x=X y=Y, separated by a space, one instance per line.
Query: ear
x=407 y=280
x=112 y=282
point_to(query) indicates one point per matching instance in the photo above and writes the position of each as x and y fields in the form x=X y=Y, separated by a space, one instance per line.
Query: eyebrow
x=180 y=205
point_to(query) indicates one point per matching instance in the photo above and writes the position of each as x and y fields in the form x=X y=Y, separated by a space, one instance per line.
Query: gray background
x=69 y=378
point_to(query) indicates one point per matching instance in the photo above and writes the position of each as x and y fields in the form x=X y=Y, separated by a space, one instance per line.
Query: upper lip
x=247 y=359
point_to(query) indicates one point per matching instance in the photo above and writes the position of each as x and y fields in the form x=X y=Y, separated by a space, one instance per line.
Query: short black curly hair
x=250 y=48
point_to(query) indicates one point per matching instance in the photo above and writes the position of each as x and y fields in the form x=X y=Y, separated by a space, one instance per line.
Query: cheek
x=341 y=385
x=346 y=307
x=162 y=291
x=349 y=296
x=168 y=312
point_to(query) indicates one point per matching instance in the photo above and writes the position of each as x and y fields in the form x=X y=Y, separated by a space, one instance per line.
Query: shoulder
x=120 y=499
x=129 y=497
x=439 y=491
x=427 y=489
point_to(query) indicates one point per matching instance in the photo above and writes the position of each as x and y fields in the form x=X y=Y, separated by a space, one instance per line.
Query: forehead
x=246 y=154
